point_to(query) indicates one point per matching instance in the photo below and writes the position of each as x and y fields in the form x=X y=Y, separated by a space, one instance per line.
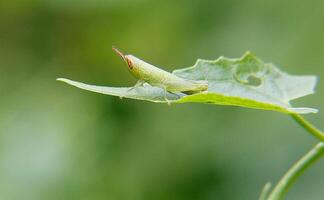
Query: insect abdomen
x=187 y=86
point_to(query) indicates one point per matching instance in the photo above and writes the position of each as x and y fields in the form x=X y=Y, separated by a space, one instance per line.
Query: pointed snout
x=129 y=63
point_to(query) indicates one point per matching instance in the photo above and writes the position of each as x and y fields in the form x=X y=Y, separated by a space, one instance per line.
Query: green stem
x=301 y=165
x=308 y=126
x=295 y=171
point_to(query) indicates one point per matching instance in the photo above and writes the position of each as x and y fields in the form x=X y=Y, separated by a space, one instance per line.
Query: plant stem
x=296 y=170
x=308 y=126
x=301 y=165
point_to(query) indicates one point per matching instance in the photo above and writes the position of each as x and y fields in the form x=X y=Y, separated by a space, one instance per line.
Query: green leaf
x=246 y=82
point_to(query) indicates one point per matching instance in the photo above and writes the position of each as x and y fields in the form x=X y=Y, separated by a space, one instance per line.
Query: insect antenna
x=119 y=53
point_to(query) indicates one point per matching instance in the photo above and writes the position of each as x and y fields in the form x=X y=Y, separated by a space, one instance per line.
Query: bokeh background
x=59 y=142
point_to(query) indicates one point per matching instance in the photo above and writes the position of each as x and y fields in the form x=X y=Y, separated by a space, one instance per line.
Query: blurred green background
x=59 y=142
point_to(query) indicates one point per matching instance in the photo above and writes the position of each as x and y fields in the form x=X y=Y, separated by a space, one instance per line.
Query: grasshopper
x=155 y=76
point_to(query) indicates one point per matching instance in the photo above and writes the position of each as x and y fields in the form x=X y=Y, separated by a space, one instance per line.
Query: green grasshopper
x=154 y=76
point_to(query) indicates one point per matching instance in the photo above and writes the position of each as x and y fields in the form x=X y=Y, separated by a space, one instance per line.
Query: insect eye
x=129 y=63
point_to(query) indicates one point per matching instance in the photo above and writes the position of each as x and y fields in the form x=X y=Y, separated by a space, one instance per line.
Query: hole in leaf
x=254 y=81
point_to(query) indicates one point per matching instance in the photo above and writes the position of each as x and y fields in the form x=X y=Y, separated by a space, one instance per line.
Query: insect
x=154 y=76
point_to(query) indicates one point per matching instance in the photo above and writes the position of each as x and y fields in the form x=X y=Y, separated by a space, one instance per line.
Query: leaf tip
x=303 y=110
x=248 y=55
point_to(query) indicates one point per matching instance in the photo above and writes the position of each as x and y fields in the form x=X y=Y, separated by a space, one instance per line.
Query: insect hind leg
x=165 y=95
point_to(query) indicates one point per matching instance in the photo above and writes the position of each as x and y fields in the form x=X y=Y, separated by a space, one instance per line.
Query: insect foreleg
x=138 y=84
